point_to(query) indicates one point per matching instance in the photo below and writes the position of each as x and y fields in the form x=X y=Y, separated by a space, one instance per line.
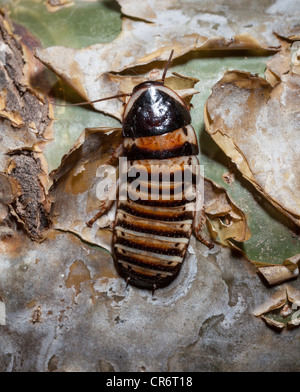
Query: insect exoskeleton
x=157 y=197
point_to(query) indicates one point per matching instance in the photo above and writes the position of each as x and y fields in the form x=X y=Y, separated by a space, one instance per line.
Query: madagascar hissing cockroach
x=152 y=231
x=162 y=203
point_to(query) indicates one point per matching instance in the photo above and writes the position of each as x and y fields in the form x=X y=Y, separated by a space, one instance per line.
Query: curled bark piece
x=276 y=325
x=226 y=220
x=295 y=323
x=276 y=301
x=80 y=191
x=293 y=295
x=278 y=274
x=240 y=116
x=287 y=298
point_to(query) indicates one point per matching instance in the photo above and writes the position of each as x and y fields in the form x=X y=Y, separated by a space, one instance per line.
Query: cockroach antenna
x=118 y=95
x=167 y=66
x=90 y=102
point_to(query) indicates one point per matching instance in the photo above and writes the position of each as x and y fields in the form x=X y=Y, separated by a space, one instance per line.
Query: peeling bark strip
x=257 y=126
x=31 y=207
x=19 y=103
x=288 y=300
x=25 y=121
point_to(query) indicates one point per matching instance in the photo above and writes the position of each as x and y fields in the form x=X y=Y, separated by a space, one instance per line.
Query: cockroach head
x=154 y=109
x=146 y=84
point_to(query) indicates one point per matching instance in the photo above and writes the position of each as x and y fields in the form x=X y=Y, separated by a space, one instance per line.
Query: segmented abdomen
x=154 y=222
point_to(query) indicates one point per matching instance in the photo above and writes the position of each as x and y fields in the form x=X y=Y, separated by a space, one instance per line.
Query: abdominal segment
x=155 y=216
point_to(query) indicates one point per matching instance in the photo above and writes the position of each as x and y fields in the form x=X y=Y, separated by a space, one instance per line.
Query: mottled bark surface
x=63 y=307
x=67 y=310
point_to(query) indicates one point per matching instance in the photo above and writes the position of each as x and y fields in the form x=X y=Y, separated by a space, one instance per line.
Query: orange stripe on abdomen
x=181 y=142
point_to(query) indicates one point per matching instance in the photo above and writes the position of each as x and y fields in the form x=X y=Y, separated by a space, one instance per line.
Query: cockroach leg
x=103 y=208
x=153 y=289
x=198 y=231
x=200 y=222
x=127 y=281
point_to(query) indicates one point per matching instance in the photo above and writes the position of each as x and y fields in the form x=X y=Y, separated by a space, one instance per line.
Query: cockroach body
x=152 y=232
x=163 y=199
